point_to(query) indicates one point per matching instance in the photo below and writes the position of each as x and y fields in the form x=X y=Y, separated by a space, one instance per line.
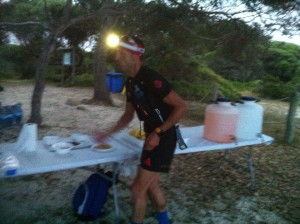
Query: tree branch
x=29 y=23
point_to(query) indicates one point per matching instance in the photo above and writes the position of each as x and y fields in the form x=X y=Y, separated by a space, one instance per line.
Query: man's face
x=124 y=60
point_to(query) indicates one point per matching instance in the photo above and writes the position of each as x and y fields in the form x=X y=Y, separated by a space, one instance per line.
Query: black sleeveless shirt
x=146 y=91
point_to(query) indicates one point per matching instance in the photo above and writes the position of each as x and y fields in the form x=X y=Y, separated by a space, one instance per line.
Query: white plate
x=79 y=141
x=62 y=148
x=102 y=150
x=80 y=145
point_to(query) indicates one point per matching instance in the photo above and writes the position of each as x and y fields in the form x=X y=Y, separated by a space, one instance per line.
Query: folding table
x=42 y=160
x=196 y=143
x=125 y=147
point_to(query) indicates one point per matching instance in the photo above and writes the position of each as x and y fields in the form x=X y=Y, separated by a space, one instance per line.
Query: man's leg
x=159 y=201
x=157 y=196
x=139 y=191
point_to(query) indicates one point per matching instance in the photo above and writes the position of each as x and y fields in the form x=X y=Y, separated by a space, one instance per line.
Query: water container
x=250 y=120
x=220 y=121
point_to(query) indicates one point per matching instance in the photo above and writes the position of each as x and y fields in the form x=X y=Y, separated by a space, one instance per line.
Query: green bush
x=9 y=58
x=201 y=84
x=84 y=79
x=272 y=87
x=224 y=86
x=245 y=86
x=52 y=75
x=191 y=90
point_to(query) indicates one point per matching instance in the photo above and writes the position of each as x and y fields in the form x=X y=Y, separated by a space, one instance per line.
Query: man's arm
x=179 y=109
x=124 y=119
x=121 y=123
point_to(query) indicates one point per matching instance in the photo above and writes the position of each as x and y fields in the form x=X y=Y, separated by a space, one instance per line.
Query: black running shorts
x=160 y=158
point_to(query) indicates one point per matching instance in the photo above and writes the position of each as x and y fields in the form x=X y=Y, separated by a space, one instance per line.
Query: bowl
x=50 y=140
x=62 y=148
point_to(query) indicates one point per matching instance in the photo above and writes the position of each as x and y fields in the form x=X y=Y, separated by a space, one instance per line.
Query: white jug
x=250 y=120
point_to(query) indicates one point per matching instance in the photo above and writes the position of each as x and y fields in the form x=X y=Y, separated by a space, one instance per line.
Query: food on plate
x=102 y=147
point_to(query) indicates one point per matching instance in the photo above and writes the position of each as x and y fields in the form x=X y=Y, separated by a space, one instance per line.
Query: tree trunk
x=73 y=65
x=36 y=100
x=290 y=125
x=64 y=23
x=101 y=92
x=214 y=92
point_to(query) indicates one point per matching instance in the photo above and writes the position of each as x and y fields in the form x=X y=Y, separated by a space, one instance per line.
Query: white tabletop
x=193 y=137
x=43 y=160
x=125 y=147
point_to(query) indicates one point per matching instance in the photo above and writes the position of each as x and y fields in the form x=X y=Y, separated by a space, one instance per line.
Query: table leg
x=248 y=156
x=251 y=169
x=116 y=167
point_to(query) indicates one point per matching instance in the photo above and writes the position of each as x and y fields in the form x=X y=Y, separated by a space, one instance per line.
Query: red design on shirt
x=158 y=84
x=147 y=162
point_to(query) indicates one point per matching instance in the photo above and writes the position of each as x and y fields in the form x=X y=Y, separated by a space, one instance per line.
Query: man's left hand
x=151 y=141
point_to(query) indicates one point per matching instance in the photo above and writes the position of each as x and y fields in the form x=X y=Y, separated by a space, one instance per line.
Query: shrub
x=9 y=58
x=272 y=87
x=52 y=75
x=191 y=90
x=201 y=84
x=84 y=79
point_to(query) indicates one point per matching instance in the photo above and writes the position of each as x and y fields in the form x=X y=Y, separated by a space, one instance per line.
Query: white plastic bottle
x=250 y=120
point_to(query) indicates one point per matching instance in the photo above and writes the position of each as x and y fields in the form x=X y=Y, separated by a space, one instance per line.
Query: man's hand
x=151 y=141
x=101 y=137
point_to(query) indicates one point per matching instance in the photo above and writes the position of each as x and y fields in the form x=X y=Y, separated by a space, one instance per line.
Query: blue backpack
x=10 y=115
x=90 y=197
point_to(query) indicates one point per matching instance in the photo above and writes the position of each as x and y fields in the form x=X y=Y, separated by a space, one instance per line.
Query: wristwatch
x=159 y=132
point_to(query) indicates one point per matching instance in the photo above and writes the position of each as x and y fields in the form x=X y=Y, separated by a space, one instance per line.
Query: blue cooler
x=114 y=81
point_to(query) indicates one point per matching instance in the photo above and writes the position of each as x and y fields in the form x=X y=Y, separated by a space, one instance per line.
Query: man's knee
x=137 y=191
x=154 y=186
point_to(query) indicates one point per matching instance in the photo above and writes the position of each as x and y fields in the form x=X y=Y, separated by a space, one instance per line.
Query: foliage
x=273 y=15
x=273 y=88
x=176 y=35
x=283 y=61
x=53 y=75
x=225 y=87
x=9 y=61
x=245 y=86
x=191 y=90
x=202 y=84
x=239 y=52
x=178 y=38
x=282 y=64
x=85 y=79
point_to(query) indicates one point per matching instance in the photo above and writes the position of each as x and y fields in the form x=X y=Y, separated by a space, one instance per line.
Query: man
x=155 y=103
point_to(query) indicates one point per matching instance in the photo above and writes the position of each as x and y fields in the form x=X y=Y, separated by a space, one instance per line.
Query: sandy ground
x=200 y=188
